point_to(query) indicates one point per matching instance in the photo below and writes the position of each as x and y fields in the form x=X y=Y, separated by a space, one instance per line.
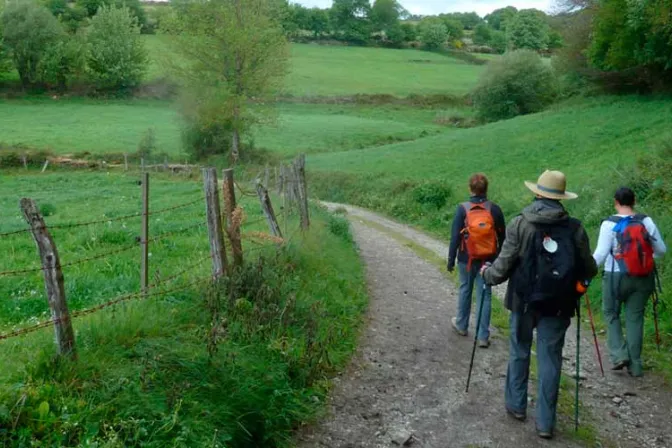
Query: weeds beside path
x=409 y=376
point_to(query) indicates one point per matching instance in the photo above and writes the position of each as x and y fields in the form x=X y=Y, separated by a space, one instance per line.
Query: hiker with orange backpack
x=628 y=244
x=477 y=235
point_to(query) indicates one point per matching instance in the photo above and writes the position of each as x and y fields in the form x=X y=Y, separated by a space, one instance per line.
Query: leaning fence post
x=267 y=208
x=280 y=178
x=214 y=217
x=44 y=167
x=232 y=230
x=300 y=175
x=53 y=279
x=144 y=238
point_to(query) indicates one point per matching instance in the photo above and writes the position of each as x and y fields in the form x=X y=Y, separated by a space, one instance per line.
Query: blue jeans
x=464 y=302
x=550 y=341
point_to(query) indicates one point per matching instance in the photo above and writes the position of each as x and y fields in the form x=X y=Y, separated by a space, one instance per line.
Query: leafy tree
x=91 y=7
x=63 y=61
x=433 y=33
x=555 y=40
x=351 y=18
x=519 y=83
x=28 y=30
x=410 y=32
x=469 y=20
x=454 y=28
x=482 y=34
x=395 y=36
x=527 y=30
x=498 y=41
x=499 y=18
x=116 y=58
x=385 y=13
x=228 y=52
x=318 y=21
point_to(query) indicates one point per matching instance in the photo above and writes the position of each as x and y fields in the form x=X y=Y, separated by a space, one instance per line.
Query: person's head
x=478 y=184
x=551 y=185
x=624 y=198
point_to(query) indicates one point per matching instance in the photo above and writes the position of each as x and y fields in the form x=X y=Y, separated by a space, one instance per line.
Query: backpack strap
x=614 y=218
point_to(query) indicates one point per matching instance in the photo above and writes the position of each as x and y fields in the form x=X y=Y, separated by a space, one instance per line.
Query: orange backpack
x=479 y=237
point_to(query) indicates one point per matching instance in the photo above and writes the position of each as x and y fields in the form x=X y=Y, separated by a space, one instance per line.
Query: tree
x=527 y=30
x=454 y=28
x=519 y=83
x=318 y=21
x=482 y=34
x=63 y=61
x=116 y=58
x=91 y=7
x=498 y=41
x=410 y=32
x=228 y=53
x=28 y=30
x=385 y=14
x=433 y=33
x=499 y=18
x=351 y=18
x=469 y=20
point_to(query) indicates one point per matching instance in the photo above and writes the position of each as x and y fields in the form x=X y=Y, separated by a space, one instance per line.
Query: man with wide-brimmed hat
x=544 y=254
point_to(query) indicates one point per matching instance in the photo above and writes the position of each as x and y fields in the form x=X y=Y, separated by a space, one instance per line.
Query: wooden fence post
x=125 y=162
x=46 y=164
x=267 y=178
x=300 y=175
x=267 y=208
x=142 y=164
x=280 y=179
x=214 y=217
x=229 y=206
x=144 y=237
x=165 y=163
x=53 y=279
x=24 y=159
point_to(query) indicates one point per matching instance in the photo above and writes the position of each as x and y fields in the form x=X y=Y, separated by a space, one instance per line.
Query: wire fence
x=161 y=286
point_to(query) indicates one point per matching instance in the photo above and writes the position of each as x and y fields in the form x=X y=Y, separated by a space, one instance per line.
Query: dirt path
x=407 y=383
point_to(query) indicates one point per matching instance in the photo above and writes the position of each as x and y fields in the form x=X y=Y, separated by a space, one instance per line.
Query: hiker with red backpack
x=628 y=244
x=477 y=234
x=545 y=256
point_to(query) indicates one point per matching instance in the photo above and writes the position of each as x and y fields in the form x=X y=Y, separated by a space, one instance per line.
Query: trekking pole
x=592 y=325
x=655 y=317
x=478 y=324
x=578 y=342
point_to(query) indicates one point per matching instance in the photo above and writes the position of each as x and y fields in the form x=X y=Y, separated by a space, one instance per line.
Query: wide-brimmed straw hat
x=552 y=185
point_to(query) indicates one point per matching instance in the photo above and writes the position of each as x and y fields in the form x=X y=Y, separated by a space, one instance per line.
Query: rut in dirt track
x=407 y=381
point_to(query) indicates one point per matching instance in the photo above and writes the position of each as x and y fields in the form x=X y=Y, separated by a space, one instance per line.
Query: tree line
x=388 y=23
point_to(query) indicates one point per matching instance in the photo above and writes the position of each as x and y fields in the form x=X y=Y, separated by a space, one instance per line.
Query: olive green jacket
x=520 y=234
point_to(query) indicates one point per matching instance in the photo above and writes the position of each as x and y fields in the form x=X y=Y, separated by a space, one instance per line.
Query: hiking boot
x=517 y=415
x=545 y=434
x=484 y=343
x=453 y=321
x=620 y=365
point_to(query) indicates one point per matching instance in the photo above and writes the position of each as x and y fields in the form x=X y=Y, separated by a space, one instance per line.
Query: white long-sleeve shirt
x=606 y=244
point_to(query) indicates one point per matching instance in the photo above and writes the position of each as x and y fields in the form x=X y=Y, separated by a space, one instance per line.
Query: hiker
x=629 y=277
x=544 y=255
x=476 y=237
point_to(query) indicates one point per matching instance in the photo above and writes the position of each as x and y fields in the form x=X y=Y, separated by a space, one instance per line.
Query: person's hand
x=484 y=268
x=450 y=267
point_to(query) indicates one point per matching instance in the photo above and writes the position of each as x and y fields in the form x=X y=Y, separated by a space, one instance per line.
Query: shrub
x=433 y=34
x=434 y=194
x=62 y=62
x=519 y=83
x=116 y=57
x=28 y=31
x=147 y=145
x=340 y=227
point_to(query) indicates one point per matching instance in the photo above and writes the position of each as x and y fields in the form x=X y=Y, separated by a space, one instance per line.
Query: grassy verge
x=238 y=367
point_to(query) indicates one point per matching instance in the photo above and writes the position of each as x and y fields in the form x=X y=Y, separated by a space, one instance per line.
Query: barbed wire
x=243 y=192
x=102 y=221
x=175 y=232
x=117 y=300
x=183 y=271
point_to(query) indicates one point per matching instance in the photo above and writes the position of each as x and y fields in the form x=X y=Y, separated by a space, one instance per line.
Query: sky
x=428 y=7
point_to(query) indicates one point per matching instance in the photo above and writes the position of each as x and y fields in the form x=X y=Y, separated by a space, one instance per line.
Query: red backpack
x=479 y=237
x=634 y=249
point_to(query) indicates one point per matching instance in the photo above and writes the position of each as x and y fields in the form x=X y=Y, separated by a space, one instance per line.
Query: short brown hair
x=478 y=184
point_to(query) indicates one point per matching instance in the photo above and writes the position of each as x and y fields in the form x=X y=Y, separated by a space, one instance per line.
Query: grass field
x=599 y=143
x=69 y=126
x=145 y=375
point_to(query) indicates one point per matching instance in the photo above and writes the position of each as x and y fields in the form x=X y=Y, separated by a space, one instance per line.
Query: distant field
x=320 y=70
x=68 y=126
